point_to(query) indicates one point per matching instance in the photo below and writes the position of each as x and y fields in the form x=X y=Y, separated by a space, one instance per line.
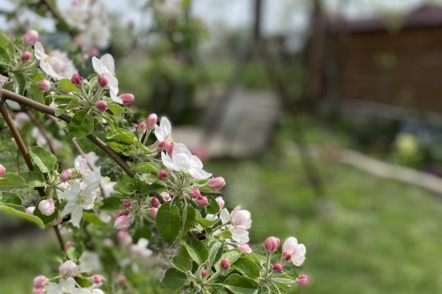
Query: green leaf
x=92 y=218
x=9 y=198
x=111 y=203
x=213 y=207
x=71 y=253
x=116 y=109
x=143 y=232
x=216 y=250
x=4 y=40
x=207 y=223
x=4 y=57
x=168 y=222
x=197 y=250
x=34 y=179
x=10 y=180
x=147 y=166
x=65 y=85
x=241 y=285
x=11 y=210
x=38 y=94
x=43 y=158
x=247 y=267
x=181 y=263
x=231 y=255
x=174 y=279
x=190 y=219
x=81 y=125
x=63 y=108
x=21 y=83
x=225 y=234
x=125 y=184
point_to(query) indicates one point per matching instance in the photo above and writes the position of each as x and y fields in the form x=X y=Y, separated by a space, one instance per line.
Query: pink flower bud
x=302 y=280
x=122 y=280
x=25 y=56
x=76 y=79
x=44 y=85
x=40 y=281
x=202 y=201
x=162 y=174
x=220 y=202
x=225 y=264
x=127 y=98
x=170 y=148
x=94 y=51
x=122 y=223
x=125 y=212
x=204 y=273
x=152 y=120
x=66 y=175
x=195 y=193
x=101 y=105
x=2 y=170
x=244 y=247
x=124 y=238
x=155 y=202
x=69 y=268
x=30 y=210
x=287 y=255
x=272 y=243
x=153 y=212
x=108 y=242
x=217 y=183
x=31 y=37
x=38 y=290
x=102 y=81
x=117 y=214
x=97 y=279
x=164 y=144
x=142 y=126
x=68 y=244
x=166 y=196
x=277 y=267
x=46 y=207
x=126 y=203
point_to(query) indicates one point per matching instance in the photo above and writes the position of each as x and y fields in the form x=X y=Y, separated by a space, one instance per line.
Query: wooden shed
x=378 y=65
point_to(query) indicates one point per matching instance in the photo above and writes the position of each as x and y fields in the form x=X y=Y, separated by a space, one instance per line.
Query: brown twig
x=5 y=94
x=25 y=152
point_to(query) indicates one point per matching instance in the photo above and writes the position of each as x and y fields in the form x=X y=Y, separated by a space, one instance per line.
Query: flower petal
x=67 y=285
x=167 y=161
x=97 y=65
x=108 y=62
x=224 y=216
x=290 y=245
x=199 y=173
x=39 y=51
x=76 y=216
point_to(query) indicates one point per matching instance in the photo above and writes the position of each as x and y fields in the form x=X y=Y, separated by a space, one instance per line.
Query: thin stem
x=25 y=152
x=5 y=94
x=41 y=129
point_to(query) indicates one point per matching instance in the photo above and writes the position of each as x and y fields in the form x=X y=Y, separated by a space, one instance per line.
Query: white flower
x=69 y=268
x=297 y=251
x=164 y=130
x=107 y=186
x=97 y=34
x=65 y=287
x=78 y=200
x=141 y=248
x=105 y=66
x=57 y=64
x=239 y=218
x=76 y=16
x=89 y=261
x=183 y=160
x=90 y=177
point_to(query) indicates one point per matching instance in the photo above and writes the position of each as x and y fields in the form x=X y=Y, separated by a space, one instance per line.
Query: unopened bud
x=127 y=98
x=2 y=170
x=153 y=212
x=76 y=79
x=101 y=105
x=287 y=255
x=30 y=210
x=217 y=183
x=44 y=85
x=25 y=56
x=39 y=290
x=40 y=281
x=170 y=148
x=162 y=174
x=302 y=280
x=164 y=144
x=122 y=223
x=69 y=268
x=46 y=207
x=225 y=264
x=142 y=126
x=152 y=119
x=102 y=81
x=31 y=37
x=277 y=267
x=66 y=175
x=195 y=193
x=155 y=202
x=97 y=279
x=122 y=280
x=68 y=244
x=124 y=237
x=204 y=273
x=108 y=242
x=202 y=201
x=126 y=203
x=125 y=212
x=117 y=214
x=220 y=202
x=272 y=243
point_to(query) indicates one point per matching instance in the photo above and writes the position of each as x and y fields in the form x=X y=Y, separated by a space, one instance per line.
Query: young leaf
x=38 y=94
x=213 y=207
x=181 y=263
x=9 y=198
x=9 y=180
x=81 y=125
x=65 y=85
x=241 y=285
x=247 y=267
x=216 y=249
x=93 y=219
x=111 y=203
x=34 y=179
x=197 y=250
x=116 y=109
x=174 y=279
x=11 y=210
x=168 y=222
x=43 y=158
x=190 y=219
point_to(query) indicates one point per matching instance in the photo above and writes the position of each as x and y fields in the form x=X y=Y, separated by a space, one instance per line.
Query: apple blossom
x=220 y=202
x=2 y=170
x=272 y=243
x=78 y=200
x=217 y=183
x=164 y=130
x=108 y=242
x=69 y=268
x=31 y=37
x=202 y=201
x=152 y=119
x=30 y=210
x=89 y=261
x=66 y=287
x=76 y=79
x=25 y=56
x=302 y=280
x=66 y=175
x=295 y=251
x=183 y=161
x=101 y=105
x=277 y=267
x=141 y=248
x=46 y=207
x=105 y=66
x=195 y=193
x=44 y=85
x=122 y=223
x=122 y=280
x=225 y=264
x=57 y=64
x=155 y=202
x=40 y=281
x=244 y=247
